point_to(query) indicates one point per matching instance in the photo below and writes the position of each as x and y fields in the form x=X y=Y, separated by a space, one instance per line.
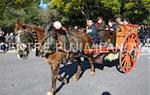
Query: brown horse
x=61 y=56
x=55 y=58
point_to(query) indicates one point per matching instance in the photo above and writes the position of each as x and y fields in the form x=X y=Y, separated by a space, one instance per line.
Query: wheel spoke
x=134 y=41
x=124 y=66
x=125 y=60
x=124 y=54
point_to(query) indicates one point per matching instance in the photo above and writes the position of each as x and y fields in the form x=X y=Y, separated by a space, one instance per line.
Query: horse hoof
x=92 y=73
x=76 y=78
x=50 y=93
x=65 y=81
x=18 y=56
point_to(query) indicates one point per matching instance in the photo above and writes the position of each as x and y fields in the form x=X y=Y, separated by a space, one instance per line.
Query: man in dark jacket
x=92 y=31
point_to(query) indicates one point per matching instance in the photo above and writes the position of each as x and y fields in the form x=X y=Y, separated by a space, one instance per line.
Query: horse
x=56 y=57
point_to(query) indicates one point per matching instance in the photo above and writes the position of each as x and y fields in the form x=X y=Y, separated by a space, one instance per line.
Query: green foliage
x=147 y=20
x=72 y=12
x=136 y=10
x=113 y=4
x=13 y=10
x=77 y=11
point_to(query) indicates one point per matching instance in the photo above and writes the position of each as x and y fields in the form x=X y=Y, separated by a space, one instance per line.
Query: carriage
x=126 y=47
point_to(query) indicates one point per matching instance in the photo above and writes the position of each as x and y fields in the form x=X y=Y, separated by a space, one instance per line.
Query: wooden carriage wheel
x=129 y=53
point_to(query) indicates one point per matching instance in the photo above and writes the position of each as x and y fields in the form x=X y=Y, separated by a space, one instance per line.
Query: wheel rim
x=129 y=53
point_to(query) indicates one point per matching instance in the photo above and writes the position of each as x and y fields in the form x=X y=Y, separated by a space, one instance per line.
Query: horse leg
x=54 y=70
x=77 y=74
x=92 y=68
x=62 y=79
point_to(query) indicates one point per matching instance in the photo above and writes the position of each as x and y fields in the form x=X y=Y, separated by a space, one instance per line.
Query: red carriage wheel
x=128 y=53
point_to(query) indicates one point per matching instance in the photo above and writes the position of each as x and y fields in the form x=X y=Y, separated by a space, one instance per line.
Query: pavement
x=33 y=77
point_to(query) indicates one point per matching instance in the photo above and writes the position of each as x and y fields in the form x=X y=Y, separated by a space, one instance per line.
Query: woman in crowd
x=100 y=26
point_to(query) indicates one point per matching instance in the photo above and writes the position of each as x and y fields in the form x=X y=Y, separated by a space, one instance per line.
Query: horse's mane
x=28 y=26
x=40 y=32
x=80 y=34
x=20 y=25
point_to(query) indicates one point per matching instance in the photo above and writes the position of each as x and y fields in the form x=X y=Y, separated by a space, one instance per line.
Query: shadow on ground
x=70 y=69
x=106 y=93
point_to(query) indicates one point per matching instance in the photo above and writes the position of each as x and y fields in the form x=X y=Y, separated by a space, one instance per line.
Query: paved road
x=32 y=77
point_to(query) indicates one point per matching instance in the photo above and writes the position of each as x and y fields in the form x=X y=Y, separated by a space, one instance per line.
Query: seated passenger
x=92 y=31
x=119 y=20
x=100 y=25
x=126 y=21
x=111 y=25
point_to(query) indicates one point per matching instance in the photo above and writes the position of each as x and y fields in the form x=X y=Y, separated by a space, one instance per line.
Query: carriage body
x=128 y=42
x=123 y=31
x=125 y=45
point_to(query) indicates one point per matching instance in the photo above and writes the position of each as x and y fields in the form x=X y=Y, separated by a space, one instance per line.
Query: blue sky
x=43 y=5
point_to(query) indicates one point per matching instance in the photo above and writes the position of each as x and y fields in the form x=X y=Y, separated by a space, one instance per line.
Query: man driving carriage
x=60 y=29
x=52 y=28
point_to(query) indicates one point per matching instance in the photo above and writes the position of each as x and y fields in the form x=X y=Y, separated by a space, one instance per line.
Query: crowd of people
x=96 y=29
x=144 y=34
x=5 y=39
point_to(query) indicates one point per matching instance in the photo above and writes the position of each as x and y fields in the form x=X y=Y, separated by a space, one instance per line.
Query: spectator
x=6 y=38
x=142 y=34
x=2 y=38
x=11 y=38
x=2 y=41
x=6 y=41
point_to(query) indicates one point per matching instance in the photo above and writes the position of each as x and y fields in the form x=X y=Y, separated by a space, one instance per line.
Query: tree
x=72 y=12
x=77 y=11
x=13 y=10
x=136 y=10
